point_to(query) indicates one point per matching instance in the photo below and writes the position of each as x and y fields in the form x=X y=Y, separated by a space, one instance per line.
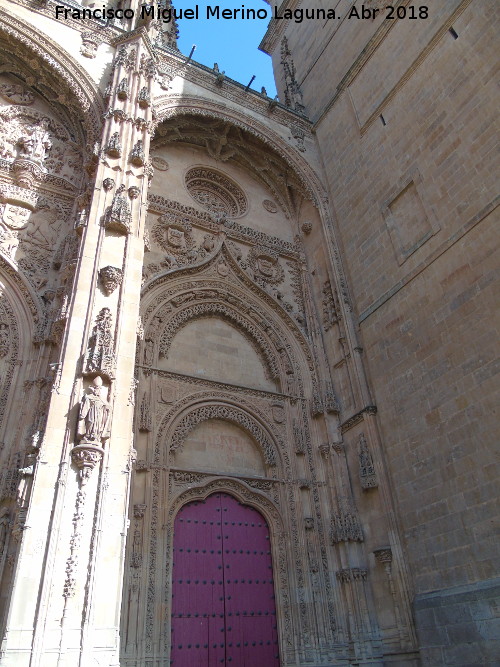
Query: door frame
x=279 y=553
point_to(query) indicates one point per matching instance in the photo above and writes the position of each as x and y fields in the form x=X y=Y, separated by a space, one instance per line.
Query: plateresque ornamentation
x=215 y=192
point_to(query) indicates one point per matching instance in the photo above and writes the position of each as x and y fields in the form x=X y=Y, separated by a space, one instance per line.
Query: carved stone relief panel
x=37 y=148
x=216 y=192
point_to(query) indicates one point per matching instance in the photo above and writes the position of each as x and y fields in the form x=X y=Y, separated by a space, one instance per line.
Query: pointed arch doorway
x=223 y=607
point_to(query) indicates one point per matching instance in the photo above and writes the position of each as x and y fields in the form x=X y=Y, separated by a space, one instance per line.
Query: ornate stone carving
x=173 y=235
x=145 y=420
x=298 y=134
x=118 y=216
x=72 y=562
x=298 y=437
x=270 y=206
x=349 y=574
x=204 y=219
x=306 y=227
x=36 y=143
x=16 y=93
x=86 y=458
x=367 y=474
x=149 y=348
x=114 y=147
x=317 y=407
x=330 y=311
x=265 y=265
x=325 y=449
x=4 y=339
x=216 y=192
x=213 y=308
x=159 y=163
x=100 y=354
x=331 y=402
x=5 y=524
x=358 y=417
x=108 y=184
x=144 y=98
x=137 y=156
x=309 y=523
x=139 y=510
x=111 y=277
x=90 y=44
x=293 y=94
x=278 y=411
x=228 y=413
x=122 y=89
x=345 y=526
x=94 y=416
x=383 y=555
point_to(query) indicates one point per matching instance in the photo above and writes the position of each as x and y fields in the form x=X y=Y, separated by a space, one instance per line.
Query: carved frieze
x=16 y=93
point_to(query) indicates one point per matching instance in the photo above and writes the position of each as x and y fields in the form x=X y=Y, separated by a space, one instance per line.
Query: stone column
x=67 y=590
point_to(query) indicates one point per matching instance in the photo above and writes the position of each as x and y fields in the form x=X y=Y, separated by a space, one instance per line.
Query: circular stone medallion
x=215 y=192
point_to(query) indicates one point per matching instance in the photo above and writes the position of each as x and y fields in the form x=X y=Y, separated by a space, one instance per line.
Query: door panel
x=223 y=608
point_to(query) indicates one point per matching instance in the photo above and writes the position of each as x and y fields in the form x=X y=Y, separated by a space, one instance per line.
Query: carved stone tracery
x=198 y=310
x=216 y=192
x=227 y=413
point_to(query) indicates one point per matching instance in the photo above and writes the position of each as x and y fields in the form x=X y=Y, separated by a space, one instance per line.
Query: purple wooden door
x=223 y=608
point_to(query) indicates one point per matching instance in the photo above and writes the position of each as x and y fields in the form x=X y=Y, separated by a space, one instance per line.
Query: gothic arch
x=18 y=318
x=248 y=496
x=32 y=307
x=197 y=408
x=271 y=330
x=222 y=310
x=82 y=94
x=170 y=106
x=228 y=413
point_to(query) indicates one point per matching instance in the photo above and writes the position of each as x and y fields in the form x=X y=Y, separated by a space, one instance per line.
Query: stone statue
x=94 y=417
x=37 y=144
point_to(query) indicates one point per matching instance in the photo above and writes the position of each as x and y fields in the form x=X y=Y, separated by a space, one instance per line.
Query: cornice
x=277 y=28
x=170 y=63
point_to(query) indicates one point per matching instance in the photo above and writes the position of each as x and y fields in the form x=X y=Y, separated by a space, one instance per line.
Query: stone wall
x=407 y=128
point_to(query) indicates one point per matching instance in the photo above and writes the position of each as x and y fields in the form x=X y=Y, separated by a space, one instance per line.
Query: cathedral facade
x=248 y=346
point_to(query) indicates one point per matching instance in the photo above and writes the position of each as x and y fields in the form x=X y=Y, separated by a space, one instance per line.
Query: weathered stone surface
x=205 y=292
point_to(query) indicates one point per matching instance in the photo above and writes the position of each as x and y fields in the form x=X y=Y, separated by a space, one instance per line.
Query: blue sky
x=232 y=43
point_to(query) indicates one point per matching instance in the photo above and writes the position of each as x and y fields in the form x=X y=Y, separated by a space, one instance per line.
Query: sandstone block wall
x=407 y=128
